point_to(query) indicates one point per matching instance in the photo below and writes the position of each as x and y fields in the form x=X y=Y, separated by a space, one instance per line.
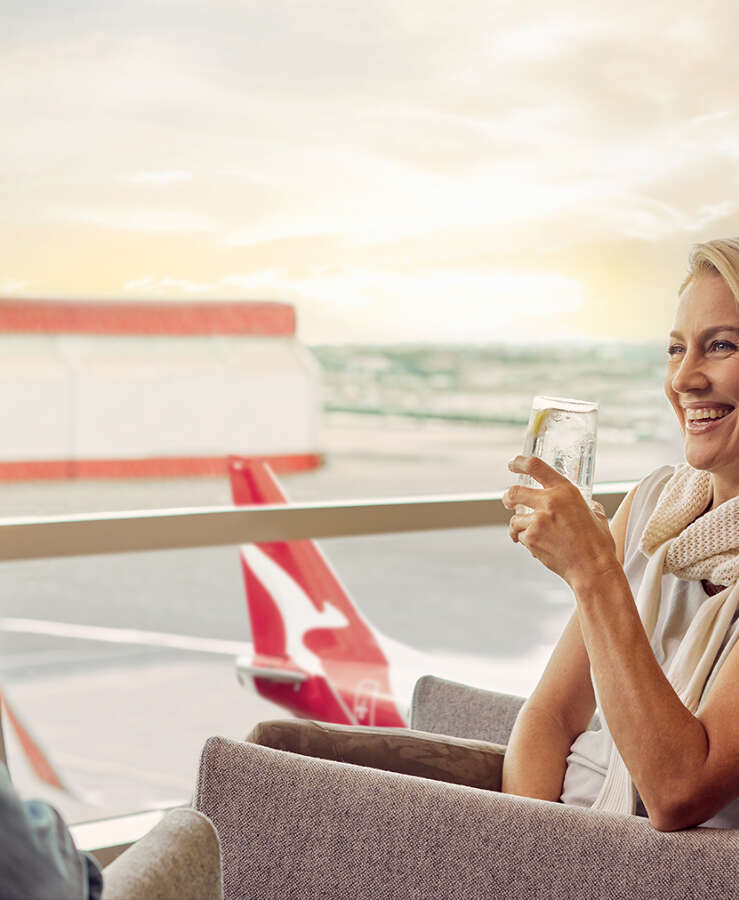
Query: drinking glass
x=562 y=432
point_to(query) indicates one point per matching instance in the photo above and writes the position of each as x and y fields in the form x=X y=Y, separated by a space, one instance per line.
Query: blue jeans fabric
x=38 y=858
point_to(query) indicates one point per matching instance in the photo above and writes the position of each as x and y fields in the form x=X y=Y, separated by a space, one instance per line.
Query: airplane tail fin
x=314 y=652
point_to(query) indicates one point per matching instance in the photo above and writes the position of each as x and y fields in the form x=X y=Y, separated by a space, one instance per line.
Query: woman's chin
x=699 y=457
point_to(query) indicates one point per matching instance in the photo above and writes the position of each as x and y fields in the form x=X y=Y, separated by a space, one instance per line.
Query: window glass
x=354 y=241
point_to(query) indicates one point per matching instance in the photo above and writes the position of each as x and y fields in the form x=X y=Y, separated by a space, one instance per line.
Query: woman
x=669 y=705
x=651 y=649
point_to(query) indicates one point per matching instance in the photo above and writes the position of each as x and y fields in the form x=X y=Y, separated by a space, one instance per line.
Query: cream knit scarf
x=679 y=540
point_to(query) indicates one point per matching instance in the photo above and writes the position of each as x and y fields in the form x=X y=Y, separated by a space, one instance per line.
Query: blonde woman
x=652 y=645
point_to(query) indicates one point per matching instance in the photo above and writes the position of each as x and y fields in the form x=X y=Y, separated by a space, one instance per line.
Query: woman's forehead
x=706 y=302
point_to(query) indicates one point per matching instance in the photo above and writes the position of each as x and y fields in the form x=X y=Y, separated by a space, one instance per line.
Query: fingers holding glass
x=518 y=525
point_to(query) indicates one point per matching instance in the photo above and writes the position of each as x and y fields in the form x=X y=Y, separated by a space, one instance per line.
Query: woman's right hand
x=570 y=537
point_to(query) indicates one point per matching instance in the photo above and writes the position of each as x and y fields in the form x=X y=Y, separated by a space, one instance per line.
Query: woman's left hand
x=568 y=535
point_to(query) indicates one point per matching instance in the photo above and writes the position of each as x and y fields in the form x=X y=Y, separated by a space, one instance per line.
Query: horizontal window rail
x=170 y=529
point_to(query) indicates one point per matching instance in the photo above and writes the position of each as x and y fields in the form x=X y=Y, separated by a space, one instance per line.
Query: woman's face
x=702 y=382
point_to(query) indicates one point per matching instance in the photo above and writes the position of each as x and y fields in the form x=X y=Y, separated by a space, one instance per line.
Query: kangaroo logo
x=299 y=615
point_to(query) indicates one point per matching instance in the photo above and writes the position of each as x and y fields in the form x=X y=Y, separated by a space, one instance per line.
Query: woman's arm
x=560 y=707
x=684 y=766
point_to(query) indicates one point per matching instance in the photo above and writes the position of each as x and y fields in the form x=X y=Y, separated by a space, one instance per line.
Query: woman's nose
x=690 y=375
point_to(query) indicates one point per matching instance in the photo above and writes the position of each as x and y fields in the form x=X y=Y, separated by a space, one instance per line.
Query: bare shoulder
x=649 y=489
x=619 y=521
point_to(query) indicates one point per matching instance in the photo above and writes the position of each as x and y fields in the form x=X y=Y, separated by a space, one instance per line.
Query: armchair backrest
x=446 y=707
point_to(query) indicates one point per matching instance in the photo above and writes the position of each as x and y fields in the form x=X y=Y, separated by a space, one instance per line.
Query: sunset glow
x=481 y=172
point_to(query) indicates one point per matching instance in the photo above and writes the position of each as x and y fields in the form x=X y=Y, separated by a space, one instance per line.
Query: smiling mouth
x=705 y=419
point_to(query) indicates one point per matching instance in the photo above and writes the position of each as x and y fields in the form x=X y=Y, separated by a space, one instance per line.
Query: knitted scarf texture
x=683 y=540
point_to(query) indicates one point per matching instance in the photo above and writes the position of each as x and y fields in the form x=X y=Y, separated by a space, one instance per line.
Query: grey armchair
x=179 y=859
x=295 y=826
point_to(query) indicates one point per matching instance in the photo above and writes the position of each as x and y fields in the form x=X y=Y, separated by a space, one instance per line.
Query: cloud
x=154 y=220
x=166 y=286
x=13 y=286
x=161 y=179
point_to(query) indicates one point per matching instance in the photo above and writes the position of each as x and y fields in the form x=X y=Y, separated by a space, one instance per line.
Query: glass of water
x=563 y=433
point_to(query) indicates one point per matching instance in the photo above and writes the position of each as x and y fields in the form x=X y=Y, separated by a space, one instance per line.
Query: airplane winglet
x=253 y=668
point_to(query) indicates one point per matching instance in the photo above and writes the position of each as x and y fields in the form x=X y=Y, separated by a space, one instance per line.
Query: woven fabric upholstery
x=179 y=859
x=444 y=758
x=446 y=707
x=297 y=827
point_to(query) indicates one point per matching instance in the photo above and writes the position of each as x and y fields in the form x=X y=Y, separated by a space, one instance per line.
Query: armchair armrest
x=297 y=826
x=446 y=707
x=179 y=859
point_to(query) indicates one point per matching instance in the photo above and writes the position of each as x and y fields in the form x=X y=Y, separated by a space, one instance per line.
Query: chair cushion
x=442 y=758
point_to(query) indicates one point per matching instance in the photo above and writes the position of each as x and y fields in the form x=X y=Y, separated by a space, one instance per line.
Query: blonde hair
x=720 y=257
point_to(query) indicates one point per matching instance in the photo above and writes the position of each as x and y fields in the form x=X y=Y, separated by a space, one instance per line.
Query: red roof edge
x=156 y=467
x=255 y=317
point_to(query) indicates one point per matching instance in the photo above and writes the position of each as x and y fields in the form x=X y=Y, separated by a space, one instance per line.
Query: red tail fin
x=324 y=658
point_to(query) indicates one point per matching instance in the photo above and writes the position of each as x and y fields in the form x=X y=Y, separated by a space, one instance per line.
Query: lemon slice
x=538 y=424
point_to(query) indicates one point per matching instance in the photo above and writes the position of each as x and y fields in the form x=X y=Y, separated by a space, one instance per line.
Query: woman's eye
x=674 y=350
x=722 y=346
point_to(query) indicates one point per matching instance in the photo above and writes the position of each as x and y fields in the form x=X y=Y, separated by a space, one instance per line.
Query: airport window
x=352 y=244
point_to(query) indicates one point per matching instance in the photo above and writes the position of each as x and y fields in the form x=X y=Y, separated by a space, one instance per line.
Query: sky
x=400 y=170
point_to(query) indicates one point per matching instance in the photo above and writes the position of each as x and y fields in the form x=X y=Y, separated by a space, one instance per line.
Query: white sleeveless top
x=588 y=759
